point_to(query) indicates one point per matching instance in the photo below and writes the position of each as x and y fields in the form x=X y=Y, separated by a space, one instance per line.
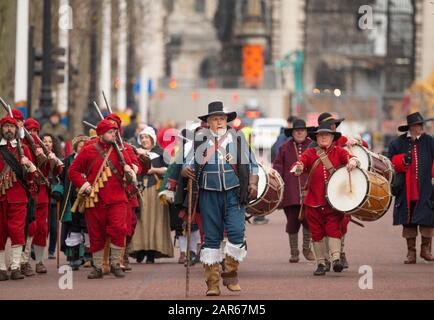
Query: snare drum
x=370 y=195
x=270 y=192
x=373 y=162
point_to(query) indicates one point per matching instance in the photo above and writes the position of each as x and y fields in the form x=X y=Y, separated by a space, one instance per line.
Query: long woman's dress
x=152 y=233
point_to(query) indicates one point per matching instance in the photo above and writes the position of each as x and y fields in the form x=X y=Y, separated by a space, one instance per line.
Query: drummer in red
x=323 y=220
x=341 y=142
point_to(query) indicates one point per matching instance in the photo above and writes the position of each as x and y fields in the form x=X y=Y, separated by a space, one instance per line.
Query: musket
x=115 y=145
x=19 y=142
x=98 y=110
x=32 y=143
x=9 y=111
x=111 y=111
x=123 y=164
x=44 y=148
x=30 y=138
x=190 y=210
x=106 y=103
x=90 y=125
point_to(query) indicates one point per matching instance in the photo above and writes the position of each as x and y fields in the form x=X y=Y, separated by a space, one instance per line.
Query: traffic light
x=59 y=61
x=34 y=69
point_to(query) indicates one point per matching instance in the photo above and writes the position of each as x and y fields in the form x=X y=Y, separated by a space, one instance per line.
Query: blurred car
x=266 y=131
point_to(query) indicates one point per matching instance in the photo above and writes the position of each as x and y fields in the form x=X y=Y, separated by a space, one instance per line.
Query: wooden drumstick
x=349 y=176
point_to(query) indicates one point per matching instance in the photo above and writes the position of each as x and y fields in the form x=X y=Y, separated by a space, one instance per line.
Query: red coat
x=17 y=193
x=317 y=189
x=42 y=195
x=88 y=163
x=282 y=163
x=411 y=173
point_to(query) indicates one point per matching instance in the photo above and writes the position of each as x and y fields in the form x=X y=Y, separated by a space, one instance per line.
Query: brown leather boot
x=411 y=254
x=4 y=275
x=126 y=261
x=40 y=268
x=212 y=279
x=116 y=270
x=182 y=258
x=96 y=273
x=425 y=249
x=16 y=274
x=293 y=245
x=307 y=251
x=26 y=269
x=230 y=276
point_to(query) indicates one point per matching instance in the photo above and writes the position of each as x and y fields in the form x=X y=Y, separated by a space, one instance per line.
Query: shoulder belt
x=110 y=164
x=13 y=163
x=325 y=160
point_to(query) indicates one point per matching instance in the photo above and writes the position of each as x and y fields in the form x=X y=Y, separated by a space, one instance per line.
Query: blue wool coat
x=424 y=210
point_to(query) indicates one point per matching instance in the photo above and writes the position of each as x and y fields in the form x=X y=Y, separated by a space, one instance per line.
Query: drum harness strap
x=327 y=164
x=325 y=160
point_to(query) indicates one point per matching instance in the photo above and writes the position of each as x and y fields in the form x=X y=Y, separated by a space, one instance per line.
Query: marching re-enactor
x=138 y=165
x=323 y=220
x=412 y=156
x=38 y=230
x=99 y=176
x=14 y=194
x=226 y=172
x=341 y=142
x=289 y=152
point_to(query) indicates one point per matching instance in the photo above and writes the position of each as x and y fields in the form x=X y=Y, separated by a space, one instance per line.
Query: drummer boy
x=323 y=220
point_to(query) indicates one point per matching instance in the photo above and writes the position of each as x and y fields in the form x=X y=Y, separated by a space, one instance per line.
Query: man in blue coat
x=412 y=156
x=225 y=171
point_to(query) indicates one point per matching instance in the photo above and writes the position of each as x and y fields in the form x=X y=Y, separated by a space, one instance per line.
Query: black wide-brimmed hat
x=297 y=124
x=325 y=127
x=414 y=118
x=216 y=108
x=328 y=117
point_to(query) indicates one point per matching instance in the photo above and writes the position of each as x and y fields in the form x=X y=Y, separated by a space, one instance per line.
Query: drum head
x=262 y=183
x=362 y=155
x=338 y=189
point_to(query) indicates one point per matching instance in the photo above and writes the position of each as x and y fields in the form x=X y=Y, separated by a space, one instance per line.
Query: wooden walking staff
x=190 y=209
x=58 y=234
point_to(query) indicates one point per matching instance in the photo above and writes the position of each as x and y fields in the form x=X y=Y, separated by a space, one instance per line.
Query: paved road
x=266 y=274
